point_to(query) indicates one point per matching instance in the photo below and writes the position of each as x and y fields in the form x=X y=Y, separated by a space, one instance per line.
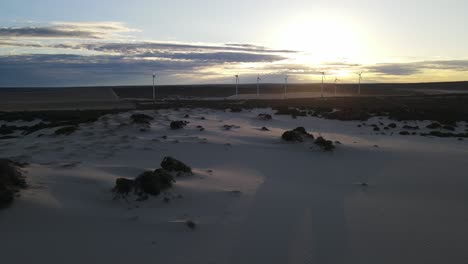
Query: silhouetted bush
x=11 y=181
x=405 y=133
x=290 y=111
x=411 y=127
x=392 y=125
x=326 y=145
x=153 y=182
x=348 y=115
x=149 y=182
x=292 y=136
x=434 y=125
x=123 y=187
x=6 y=130
x=298 y=134
x=450 y=128
x=173 y=165
x=141 y=119
x=178 y=124
x=265 y=117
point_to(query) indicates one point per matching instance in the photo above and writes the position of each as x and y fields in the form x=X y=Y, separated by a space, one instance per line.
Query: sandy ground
x=255 y=198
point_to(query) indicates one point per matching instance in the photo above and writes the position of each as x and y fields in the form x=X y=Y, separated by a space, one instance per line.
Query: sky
x=121 y=42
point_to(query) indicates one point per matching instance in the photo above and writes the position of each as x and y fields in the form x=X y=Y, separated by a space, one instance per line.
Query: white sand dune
x=255 y=198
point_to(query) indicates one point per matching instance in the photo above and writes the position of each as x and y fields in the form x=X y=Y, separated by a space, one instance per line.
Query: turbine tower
x=154 y=87
x=258 y=85
x=237 y=84
x=323 y=79
x=359 y=86
x=336 y=81
x=285 y=86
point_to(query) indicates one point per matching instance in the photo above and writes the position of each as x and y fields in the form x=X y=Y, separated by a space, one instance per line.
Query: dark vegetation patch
x=326 y=145
x=434 y=125
x=294 y=112
x=174 y=165
x=448 y=127
x=178 y=124
x=151 y=182
x=229 y=127
x=7 y=130
x=405 y=133
x=348 y=115
x=141 y=119
x=11 y=181
x=445 y=134
x=407 y=127
x=445 y=109
x=298 y=134
x=265 y=117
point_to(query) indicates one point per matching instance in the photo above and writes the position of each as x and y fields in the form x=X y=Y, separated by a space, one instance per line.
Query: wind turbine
x=285 y=85
x=258 y=85
x=237 y=84
x=154 y=87
x=336 y=81
x=359 y=86
x=323 y=79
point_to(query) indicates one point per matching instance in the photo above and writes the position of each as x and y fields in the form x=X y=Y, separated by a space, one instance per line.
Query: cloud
x=143 y=47
x=396 y=69
x=412 y=68
x=66 y=30
x=66 y=69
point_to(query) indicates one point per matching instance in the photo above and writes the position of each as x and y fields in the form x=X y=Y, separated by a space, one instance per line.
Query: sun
x=321 y=38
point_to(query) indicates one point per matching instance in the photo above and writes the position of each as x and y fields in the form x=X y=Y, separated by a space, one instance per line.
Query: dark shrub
x=236 y=110
x=405 y=133
x=298 y=134
x=6 y=197
x=292 y=136
x=6 y=130
x=264 y=129
x=11 y=181
x=326 y=145
x=290 y=111
x=348 y=115
x=434 y=125
x=411 y=127
x=192 y=225
x=392 y=125
x=178 y=124
x=265 y=117
x=141 y=119
x=66 y=130
x=123 y=187
x=170 y=164
x=153 y=182
x=450 y=128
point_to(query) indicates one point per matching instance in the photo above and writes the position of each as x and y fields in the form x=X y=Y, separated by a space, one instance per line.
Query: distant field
x=342 y=89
